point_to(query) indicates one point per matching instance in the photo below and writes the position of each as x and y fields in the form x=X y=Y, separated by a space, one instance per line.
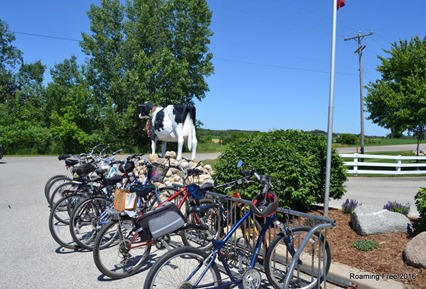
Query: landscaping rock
x=174 y=175
x=415 y=253
x=366 y=220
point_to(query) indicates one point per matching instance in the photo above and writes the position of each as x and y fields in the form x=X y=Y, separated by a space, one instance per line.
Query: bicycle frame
x=184 y=191
x=219 y=244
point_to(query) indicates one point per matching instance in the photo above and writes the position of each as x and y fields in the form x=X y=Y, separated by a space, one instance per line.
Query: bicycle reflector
x=196 y=192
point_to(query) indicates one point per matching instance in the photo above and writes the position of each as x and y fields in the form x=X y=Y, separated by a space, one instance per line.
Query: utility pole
x=359 y=50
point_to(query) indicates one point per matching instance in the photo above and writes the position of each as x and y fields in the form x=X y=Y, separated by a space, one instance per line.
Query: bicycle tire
x=59 y=220
x=174 y=267
x=52 y=184
x=305 y=275
x=111 y=254
x=202 y=238
x=47 y=184
x=63 y=190
x=84 y=222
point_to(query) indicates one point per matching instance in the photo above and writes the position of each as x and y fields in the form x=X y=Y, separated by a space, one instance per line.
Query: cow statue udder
x=173 y=123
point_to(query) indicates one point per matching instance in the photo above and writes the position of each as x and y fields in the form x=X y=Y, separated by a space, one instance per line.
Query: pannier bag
x=125 y=200
x=160 y=221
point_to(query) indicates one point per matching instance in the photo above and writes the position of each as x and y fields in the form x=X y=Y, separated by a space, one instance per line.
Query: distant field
x=388 y=141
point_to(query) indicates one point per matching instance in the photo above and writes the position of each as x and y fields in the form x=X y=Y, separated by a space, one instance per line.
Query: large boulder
x=366 y=220
x=415 y=253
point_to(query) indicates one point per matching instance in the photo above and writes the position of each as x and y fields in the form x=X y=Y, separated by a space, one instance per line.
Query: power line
x=46 y=36
x=279 y=66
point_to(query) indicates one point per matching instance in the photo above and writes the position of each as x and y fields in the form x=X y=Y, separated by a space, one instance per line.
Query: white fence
x=403 y=165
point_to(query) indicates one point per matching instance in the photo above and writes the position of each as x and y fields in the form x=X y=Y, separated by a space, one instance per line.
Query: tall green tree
x=10 y=61
x=73 y=120
x=106 y=71
x=397 y=101
x=146 y=50
x=167 y=45
x=22 y=119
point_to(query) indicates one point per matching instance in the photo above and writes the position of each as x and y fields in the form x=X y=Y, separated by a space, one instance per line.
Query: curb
x=347 y=276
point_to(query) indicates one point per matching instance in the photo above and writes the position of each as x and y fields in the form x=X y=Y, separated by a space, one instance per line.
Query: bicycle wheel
x=181 y=268
x=85 y=220
x=200 y=238
x=52 y=184
x=309 y=270
x=62 y=190
x=115 y=253
x=59 y=220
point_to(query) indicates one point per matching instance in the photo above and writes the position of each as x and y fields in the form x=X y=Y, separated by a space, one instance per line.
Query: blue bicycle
x=298 y=257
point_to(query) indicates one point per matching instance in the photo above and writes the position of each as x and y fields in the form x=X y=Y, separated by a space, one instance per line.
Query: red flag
x=340 y=3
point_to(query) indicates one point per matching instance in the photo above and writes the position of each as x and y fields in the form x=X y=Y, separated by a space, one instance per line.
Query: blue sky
x=271 y=57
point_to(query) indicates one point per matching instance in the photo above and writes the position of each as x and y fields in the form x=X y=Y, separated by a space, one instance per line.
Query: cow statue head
x=146 y=110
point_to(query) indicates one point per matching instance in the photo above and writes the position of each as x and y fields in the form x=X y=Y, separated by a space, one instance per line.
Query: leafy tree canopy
x=397 y=101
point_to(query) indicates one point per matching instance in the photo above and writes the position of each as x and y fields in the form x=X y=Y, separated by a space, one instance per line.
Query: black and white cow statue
x=173 y=123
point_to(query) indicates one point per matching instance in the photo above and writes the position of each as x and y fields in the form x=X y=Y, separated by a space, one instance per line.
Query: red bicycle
x=123 y=245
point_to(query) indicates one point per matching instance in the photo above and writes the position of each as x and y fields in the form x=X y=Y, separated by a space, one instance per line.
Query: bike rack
x=295 y=218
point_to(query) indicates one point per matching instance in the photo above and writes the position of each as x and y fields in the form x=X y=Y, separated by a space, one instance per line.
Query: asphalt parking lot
x=30 y=258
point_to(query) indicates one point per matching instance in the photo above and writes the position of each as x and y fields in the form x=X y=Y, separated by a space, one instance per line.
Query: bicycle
x=251 y=227
x=71 y=161
x=75 y=230
x=297 y=248
x=123 y=245
x=89 y=215
x=86 y=173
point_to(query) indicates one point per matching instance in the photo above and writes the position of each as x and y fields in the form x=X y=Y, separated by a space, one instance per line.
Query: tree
x=22 y=119
x=397 y=101
x=73 y=120
x=10 y=61
x=146 y=50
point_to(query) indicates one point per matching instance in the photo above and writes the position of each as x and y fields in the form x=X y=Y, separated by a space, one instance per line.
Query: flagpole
x=330 y=111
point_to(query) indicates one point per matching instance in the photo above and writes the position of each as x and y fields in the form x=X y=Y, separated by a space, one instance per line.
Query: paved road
x=377 y=191
x=388 y=148
x=30 y=258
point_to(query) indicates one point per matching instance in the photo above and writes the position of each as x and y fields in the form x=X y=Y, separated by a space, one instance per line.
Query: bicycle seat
x=112 y=181
x=71 y=162
x=207 y=186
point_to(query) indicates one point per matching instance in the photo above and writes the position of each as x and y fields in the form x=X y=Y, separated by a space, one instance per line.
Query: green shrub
x=25 y=138
x=295 y=159
x=346 y=138
x=365 y=245
x=421 y=207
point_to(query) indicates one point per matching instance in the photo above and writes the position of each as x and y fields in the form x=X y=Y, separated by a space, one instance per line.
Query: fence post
x=398 y=163
x=356 y=163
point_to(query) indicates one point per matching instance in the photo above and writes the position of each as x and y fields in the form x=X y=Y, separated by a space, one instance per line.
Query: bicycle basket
x=196 y=192
x=157 y=172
